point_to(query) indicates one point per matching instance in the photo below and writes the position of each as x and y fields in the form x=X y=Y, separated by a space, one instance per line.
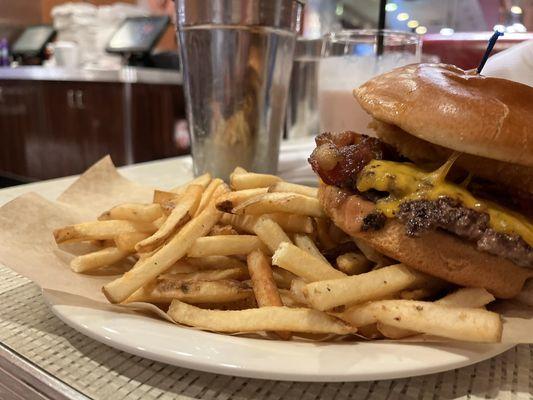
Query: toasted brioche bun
x=444 y=105
x=435 y=253
x=420 y=151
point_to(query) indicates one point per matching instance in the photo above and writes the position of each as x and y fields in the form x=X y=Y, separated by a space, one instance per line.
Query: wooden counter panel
x=50 y=129
x=155 y=111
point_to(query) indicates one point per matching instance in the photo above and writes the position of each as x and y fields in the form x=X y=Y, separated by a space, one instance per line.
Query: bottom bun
x=435 y=253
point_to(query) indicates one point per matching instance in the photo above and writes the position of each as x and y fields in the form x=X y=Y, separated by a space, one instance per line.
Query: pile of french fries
x=260 y=256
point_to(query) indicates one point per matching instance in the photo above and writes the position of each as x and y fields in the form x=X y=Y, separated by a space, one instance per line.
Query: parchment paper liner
x=28 y=248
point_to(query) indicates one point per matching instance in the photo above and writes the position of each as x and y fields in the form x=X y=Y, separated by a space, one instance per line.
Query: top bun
x=445 y=105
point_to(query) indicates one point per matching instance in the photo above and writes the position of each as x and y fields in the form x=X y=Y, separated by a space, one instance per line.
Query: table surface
x=41 y=357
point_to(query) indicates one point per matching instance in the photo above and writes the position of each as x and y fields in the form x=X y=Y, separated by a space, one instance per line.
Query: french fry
x=355 y=289
x=191 y=265
x=225 y=245
x=280 y=202
x=182 y=267
x=136 y=212
x=270 y=233
x=370 y=332
x=418 y=294
x=148 y=269
x=105 y=243
x=303 y=264
x=202 y=180
x=288 y=300
x=381 y=260
x=97 y=259
x=144 y=256
x=183 y=211
x=192 y=291
x=353 y=263
x=208 y=194
x=282 y=277
x=322 y=229
x=297 y=287
x=258 y=319
x=169 y=206
x=127 y=241
x=230 y=200
x=243 y=304
x=363 y=314
x=250 y=180
x=360 y=314
x=223 y=230
x=288 y=222
x=305 y=243
x=161 y=197
x=293 y=188
x=215 y=262
x=244 y=223
x=465 y=298
x=238 y=170
x=160 y=221
x=237 y=273
x=104 y=216
x=100 y=230
x=465 y=324
x=263 y=284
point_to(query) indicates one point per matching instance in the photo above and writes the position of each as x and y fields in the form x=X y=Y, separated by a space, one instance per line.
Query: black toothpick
x=381 y=26
x=490 y=46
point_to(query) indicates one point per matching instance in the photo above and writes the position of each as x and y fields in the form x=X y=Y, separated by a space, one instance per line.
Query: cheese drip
x=405 y=182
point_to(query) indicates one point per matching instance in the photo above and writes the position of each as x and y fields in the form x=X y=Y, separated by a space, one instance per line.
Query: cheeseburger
x=447 y=185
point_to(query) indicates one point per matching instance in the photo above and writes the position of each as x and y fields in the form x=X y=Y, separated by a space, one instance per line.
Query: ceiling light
x=413 y=23
x=421 y=30
x=340 y=9
x=447 y=31
x=390 y=7
x=402 y=16
x=516 y=10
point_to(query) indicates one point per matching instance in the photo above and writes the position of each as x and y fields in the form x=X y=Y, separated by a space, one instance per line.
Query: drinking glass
x=237 y=58
x=350 y=58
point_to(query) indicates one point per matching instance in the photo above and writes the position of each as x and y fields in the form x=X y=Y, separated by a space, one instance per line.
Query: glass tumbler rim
x=280 y=14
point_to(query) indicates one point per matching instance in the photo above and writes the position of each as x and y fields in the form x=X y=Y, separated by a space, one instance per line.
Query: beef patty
x=420 y=216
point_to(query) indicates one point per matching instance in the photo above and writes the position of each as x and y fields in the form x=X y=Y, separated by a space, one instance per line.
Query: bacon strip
x=338 y=158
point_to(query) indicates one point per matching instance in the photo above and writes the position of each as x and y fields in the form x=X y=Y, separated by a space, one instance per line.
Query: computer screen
x=138 y=34
x=33 y=40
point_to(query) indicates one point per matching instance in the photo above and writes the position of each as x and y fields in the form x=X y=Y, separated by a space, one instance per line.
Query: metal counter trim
x=123 y=75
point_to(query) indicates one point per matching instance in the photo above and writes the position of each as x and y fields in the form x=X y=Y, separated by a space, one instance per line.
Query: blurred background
x=79 y=80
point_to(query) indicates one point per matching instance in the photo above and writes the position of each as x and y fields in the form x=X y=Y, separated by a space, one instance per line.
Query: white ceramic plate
x=267 y=359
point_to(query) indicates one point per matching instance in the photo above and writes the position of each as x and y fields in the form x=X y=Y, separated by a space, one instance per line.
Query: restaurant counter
x=57 y=121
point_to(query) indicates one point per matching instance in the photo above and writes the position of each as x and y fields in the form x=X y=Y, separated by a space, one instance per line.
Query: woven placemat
x=101 y=372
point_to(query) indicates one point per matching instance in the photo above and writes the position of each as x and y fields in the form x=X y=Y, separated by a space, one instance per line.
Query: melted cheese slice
x=406 y=182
